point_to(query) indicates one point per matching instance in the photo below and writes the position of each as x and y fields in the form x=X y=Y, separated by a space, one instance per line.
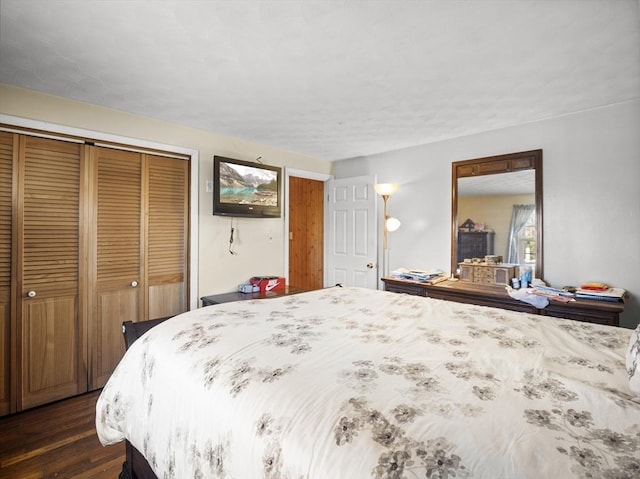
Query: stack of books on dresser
x=432 y=276
x=600 y=292
x=590 y=291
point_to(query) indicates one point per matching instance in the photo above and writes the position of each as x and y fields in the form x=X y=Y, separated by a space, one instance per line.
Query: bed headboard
x=132 y=331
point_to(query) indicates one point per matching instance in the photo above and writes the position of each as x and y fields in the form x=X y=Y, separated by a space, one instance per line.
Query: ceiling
x=512 y=183
x=328 y=79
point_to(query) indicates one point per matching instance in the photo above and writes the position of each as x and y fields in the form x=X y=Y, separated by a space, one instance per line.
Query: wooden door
x=6 y=193
x=306 y=233
x=167 y=233
x=51 y=345
x=116 y=266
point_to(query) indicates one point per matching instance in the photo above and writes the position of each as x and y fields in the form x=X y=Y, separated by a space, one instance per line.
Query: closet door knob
x=31 y=294
x=370 y=265
x=134 y=283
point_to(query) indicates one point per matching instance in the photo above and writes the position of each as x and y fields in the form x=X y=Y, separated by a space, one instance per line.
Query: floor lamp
x=385 y=190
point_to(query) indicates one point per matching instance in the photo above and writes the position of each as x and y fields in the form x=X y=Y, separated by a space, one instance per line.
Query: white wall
x=259 y=243
x=591 y=171
x=591 y=191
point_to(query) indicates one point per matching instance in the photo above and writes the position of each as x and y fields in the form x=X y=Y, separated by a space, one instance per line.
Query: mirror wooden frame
x=492 y=165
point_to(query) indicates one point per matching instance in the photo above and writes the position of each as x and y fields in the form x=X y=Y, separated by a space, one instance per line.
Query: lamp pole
x=385 y=190
x=385 y=231
x=385 y=234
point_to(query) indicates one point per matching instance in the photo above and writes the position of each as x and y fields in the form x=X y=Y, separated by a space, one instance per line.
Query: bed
x=356 y=383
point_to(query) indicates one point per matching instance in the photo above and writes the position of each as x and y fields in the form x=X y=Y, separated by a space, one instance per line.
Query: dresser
x=600 y=312
x=238 y=296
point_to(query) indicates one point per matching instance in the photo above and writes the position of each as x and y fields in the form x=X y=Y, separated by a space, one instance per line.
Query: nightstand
x=238 y=296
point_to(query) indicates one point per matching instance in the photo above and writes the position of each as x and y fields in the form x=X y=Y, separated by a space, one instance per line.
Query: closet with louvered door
x=117 y=262
x=140 y=262
x=48 y=251
x=6 y=212
x=89 y=237
x=167 y=229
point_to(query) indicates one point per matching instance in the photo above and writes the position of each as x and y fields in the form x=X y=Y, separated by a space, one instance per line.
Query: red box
x=268 y=283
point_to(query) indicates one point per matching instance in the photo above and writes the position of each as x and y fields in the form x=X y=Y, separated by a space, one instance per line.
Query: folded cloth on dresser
x=524 y=295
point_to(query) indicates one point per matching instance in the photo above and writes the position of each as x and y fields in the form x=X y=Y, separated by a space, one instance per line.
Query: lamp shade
x=393 y=223
x=385 y=189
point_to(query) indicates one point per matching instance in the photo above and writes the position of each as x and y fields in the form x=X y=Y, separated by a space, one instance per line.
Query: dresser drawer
x=406 y=287
x=482 y=275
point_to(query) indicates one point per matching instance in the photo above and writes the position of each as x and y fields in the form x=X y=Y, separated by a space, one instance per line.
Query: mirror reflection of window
x=519 y=218
x=526 y=240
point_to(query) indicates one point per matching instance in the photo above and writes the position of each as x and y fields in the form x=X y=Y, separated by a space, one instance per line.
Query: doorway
x=342 y=237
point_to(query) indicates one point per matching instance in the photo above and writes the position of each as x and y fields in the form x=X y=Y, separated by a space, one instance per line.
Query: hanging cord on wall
x=231 y=239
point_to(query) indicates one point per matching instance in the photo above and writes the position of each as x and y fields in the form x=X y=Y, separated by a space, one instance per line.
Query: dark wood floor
x=57 y=441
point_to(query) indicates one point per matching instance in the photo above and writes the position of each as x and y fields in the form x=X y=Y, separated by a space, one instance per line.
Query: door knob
x=31 y=294
x=370 y=265
x=134 y=283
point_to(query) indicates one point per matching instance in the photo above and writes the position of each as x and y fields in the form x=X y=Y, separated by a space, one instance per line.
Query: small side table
x=238 y=296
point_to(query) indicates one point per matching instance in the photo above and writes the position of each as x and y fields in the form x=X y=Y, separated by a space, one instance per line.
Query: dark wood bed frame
x=135 y=465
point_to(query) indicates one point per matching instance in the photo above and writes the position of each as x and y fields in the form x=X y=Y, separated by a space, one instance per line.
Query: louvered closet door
x=6 y=188
x=51 y=342
x=118 y=256
x=167 y=236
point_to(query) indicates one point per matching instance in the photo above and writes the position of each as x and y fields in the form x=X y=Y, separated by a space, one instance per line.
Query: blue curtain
x=519 y=217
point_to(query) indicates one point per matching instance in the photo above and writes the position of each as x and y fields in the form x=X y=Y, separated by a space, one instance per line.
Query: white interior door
x=351 y=226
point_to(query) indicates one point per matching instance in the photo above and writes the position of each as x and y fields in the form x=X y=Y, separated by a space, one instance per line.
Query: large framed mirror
x=496 y=210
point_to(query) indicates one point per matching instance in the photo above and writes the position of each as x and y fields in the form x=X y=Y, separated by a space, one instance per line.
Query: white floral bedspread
x=348 y=383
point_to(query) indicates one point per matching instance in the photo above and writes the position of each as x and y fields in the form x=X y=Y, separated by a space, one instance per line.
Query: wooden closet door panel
x=118 y=256
x=7 y=141
x=167 y=236
x=306 y=233
x=50 y=370
x=49 y=327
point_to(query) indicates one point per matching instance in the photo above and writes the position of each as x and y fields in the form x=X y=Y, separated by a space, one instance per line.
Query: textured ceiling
x=329 y=79
x=512 y=183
